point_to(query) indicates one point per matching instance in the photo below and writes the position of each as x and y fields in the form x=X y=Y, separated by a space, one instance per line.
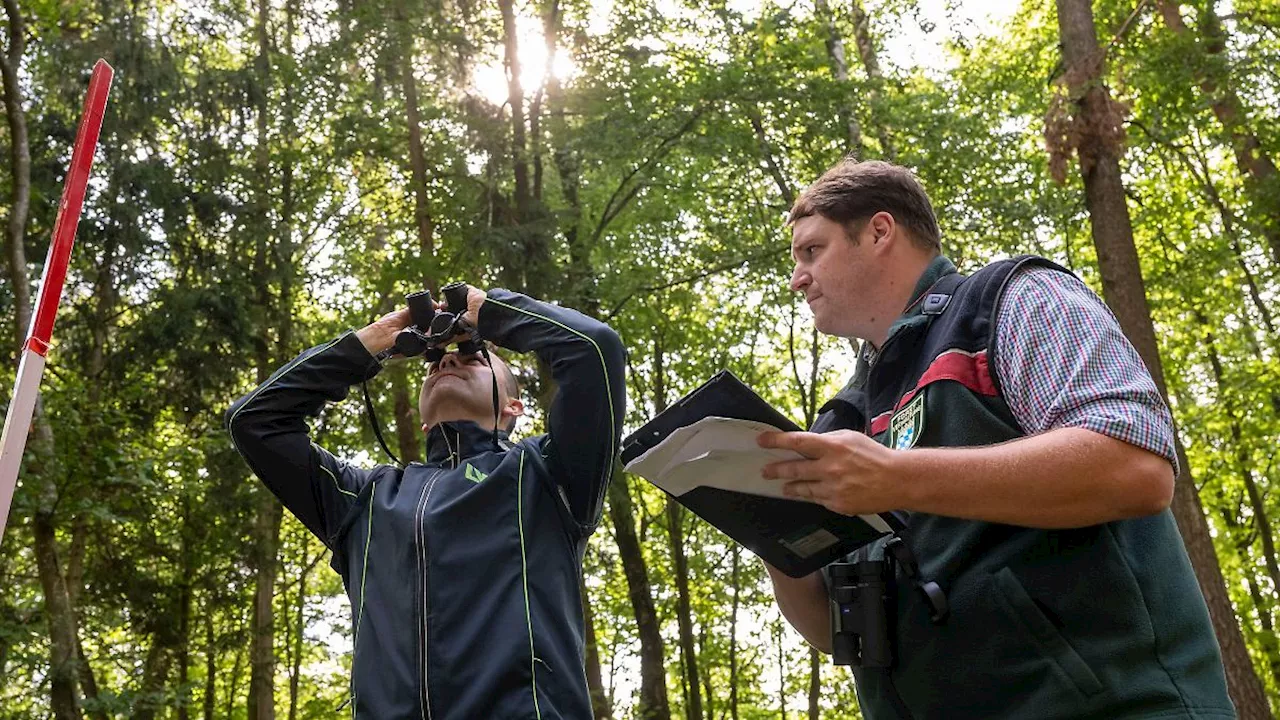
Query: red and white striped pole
x=26 y=387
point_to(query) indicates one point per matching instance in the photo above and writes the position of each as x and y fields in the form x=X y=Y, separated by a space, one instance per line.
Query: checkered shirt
x=1062 y=361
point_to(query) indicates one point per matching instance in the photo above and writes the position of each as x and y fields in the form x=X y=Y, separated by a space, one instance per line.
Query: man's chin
x=444 y=401
x=833 y=328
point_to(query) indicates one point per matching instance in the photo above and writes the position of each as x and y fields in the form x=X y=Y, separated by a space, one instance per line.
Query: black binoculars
x=861 y=634
x=433 y=329
x=865 y=597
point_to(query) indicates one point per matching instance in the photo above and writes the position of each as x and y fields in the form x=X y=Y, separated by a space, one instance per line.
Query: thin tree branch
x=611 y=210
x=694 y=278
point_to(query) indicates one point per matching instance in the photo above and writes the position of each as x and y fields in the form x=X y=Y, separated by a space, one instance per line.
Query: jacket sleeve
x=268 y=427
x=585 y=419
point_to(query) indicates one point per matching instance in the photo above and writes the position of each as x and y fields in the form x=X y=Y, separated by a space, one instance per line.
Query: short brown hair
x=853 y=191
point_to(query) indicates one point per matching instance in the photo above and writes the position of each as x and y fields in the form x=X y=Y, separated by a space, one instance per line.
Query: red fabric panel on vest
x=969 y=369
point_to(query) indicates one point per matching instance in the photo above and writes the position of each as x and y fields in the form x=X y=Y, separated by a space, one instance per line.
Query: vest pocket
x=1031 y=619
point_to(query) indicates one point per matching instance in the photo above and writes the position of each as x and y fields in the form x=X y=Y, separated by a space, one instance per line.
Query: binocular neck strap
x=373 y=416
x=497 y=409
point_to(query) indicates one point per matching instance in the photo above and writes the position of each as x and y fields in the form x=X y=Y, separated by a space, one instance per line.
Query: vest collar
x=450 y=442
x=911 y=318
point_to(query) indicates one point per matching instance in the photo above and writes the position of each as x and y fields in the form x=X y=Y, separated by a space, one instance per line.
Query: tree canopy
x=272 y=173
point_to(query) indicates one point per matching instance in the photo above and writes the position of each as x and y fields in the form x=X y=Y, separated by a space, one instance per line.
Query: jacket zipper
x=420 y=535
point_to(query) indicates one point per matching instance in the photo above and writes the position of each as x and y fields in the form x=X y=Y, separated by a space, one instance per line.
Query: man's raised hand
x=381 y=333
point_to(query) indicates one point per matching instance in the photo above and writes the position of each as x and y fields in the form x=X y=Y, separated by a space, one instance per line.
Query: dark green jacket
x=1105 y=621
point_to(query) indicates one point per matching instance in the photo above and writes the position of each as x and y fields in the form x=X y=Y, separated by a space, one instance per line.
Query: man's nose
x=450 y=360
x=800 y=280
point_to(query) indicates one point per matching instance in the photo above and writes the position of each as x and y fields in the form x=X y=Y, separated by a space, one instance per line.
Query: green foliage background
x=662 y=169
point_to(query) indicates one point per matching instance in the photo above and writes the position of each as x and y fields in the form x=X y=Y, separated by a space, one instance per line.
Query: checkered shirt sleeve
x=1062 y=361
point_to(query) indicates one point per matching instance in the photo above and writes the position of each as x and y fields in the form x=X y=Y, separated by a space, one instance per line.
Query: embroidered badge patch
x=473 y=474
x=906 y=426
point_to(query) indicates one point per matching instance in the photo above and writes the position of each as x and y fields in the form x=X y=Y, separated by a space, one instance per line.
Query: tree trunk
x=580 y=275
x=1257 y=504
x=550 y=32
x=675 y=535
x=86 y=677
x=707 y=692
x=600 y=706
x=840 y=68
x=267 y=511
x=871 y=63
x=155 y=670
x=75 y=583
x=210 y=665
x=1229 y=227
x=19 y=172
x=782 y=672
x=815 y=683
x=1242 y=680
x=408 y=424
x=185 y=596
x=1262 y=181
x=1270 y=643
x=653 y=671
x=770 y=158
x=233 y=687
x=8 y=617
x=285 y=261
x=733 y=634
x=165 y=621
x=1099 y=151
x=106 y=297
x=809 y=397
x=266 y=532
x=515 y=98
x=63 y=661
x=299 y=627
x=689 y=654
x=417 y=157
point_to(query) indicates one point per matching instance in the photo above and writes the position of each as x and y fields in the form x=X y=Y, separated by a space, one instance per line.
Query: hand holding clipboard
x=702 y=451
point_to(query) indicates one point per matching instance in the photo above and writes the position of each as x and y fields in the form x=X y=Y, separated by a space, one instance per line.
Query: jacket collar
x=450 y=442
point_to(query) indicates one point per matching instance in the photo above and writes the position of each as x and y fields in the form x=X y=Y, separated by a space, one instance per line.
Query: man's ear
x=514 y=408
x=882 y=227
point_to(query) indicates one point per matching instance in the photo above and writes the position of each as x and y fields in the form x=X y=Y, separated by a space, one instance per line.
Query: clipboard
x=795 y=536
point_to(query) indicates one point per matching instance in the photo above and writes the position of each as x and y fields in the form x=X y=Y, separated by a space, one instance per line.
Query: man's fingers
x=790 y=470
x=805 y=443
x=802 y=489
x=397 y=319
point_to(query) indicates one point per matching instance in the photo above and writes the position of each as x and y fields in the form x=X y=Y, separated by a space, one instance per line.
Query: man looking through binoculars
x=469 y=399
x=462 y=571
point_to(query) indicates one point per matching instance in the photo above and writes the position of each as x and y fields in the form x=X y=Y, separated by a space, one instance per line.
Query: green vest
x=1105 y=621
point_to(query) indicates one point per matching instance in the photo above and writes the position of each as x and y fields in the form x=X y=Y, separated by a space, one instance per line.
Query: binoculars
x=864 y=595
x=433 y=329
x=861 y=633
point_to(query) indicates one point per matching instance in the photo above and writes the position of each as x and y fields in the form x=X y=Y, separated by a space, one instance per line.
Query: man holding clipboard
x=1040 y=573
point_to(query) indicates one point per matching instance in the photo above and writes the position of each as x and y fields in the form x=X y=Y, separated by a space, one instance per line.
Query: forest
x=273 y=172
